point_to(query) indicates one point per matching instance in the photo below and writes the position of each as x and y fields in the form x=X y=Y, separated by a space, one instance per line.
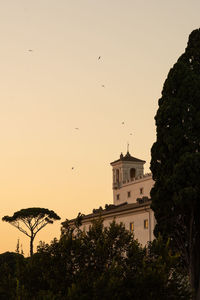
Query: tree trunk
x=194 y=273
x=198 y=292
x=191 y=277
x=31 y=246
x=197 y=271
x=196 y=278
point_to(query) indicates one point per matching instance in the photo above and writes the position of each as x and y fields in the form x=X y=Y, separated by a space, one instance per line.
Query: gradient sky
x=47 y=92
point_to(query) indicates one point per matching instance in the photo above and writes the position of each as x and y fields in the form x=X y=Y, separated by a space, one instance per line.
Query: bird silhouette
x=30 y=50
x=77 y=128
x=123 y=123
x=99 y=57
x=102 y=85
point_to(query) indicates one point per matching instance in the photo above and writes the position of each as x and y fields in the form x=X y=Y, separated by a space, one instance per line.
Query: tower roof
x=127 y=157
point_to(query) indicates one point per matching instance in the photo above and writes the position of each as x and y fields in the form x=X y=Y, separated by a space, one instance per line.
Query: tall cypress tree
x=175 y=162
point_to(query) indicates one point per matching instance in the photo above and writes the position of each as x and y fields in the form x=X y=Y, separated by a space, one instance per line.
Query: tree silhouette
x=31 y=220
x=175 y=162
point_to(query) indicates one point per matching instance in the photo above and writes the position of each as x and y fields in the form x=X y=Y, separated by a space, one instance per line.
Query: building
x=129 y=180
x=131 y=199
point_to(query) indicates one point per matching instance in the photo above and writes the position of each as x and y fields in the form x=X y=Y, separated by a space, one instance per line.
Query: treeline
x=103 y=263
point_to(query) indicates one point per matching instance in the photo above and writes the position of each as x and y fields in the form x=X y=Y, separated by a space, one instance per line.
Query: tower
x=126 y=171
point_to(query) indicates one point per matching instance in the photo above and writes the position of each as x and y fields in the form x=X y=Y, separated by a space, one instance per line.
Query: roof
x=117 y=209
x=128 y=157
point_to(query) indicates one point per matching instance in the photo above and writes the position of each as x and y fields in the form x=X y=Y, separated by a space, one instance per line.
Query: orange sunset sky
x=53 y=82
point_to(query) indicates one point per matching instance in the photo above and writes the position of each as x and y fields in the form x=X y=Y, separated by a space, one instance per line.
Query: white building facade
x=131 y=199
x=129 y=180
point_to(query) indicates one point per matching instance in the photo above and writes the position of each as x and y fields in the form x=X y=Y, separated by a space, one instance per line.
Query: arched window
x=117 y=175
x=132 y=173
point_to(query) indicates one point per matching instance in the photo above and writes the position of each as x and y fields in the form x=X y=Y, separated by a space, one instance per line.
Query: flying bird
x=77 y=128
x=102 y=85
x=123 y=123
x=72 y=168
x=99 y=57
x=30 y=50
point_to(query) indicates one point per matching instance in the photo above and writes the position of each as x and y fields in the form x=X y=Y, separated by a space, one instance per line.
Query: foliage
x=33 y=220
x=103 y=263
x=175 y=160
x=12 y=267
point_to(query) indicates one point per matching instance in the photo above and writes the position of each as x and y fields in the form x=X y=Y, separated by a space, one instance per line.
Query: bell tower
x=125 y=171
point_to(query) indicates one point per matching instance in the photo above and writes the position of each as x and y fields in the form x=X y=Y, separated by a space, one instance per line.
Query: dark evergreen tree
x=12 y=267
x=175 y=160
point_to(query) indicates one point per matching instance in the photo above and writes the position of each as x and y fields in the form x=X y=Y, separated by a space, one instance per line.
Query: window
x=132 y=226
x=118 y=196
x=128 y=194
x=132 y=173
x=117 y=176
x=146 y=224
x=141 y=191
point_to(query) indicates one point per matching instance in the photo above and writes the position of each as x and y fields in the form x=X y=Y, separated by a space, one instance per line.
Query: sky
x=53 y=82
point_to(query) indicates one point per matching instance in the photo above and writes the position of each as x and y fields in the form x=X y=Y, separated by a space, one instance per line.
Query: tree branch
x=20 y=228
x=41 y=227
